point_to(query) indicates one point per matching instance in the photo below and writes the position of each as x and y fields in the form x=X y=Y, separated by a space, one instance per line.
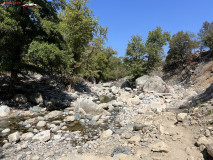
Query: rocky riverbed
x=111 y=123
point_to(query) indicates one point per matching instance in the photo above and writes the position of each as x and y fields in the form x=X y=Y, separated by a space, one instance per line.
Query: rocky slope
x=107 y=122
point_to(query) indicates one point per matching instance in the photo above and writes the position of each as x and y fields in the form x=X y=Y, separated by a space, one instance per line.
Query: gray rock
x=14 y=137
x=36 y=98
x=121 y=149
x=20 y=98
x=155 y=84
x=4 y=110
x=36 y=109
x=141 y=81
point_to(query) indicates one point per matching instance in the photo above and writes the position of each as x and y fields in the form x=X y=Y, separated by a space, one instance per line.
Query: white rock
x=43 y=136
x=4 y=110
x=181 y=117
x=202 y=141
x=7 y=130
x=14 y=137
x=41 y=124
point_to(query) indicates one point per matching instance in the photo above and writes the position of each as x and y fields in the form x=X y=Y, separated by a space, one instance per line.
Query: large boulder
x=151 y=83
x=20 y=98
x=36 y=98
x=4 y=110
x=209 y=148
x=89 y=106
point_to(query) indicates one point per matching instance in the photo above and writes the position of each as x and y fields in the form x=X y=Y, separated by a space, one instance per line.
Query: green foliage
x=206 y=35
x=154 y=46
x=141 y=58
x=180 y=45
x=48 y=56
x=103 y=65
x=135 y=56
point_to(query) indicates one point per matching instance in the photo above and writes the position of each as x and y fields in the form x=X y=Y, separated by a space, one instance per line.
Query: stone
x=160 y=147
x=4 y=110
x=6 y=145
x=41 y=124
x=36 y=98
x=126 y=135
x=20 y=98
x=42 y=136
x=106 y=134
x=181 y=117
x=151 y=83
x=121 y=149
x=5 y=131
x=14 y=137
x=96 y=118
x=57 y=137
x=117 y=104
x=141 y=81
x=89 y=107
x=209 y=148
x=107 y=84
x=53 y=114
x=70 y=118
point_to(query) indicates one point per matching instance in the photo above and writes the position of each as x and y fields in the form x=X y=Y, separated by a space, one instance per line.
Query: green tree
x=136 y=56
x=180 y=45
x=19 y=26
x=154 y=47
x=80 y=30
x=206 y=35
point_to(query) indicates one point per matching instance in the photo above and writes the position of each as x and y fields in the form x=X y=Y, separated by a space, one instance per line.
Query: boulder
x=14 y=137
x=107 y=84
x=181 y=117
x=4 y=110
x=53 y=114
x=43 y=136
x=20 y=98
x=121 y=149
x=141 y=81
x=89 y=107
x=202 y=141
x=36 y=98
x=160 y=147
x=155 y=84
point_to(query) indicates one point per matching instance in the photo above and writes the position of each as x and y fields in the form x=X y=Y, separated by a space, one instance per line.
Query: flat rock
x=160 y=147
x=53 y=114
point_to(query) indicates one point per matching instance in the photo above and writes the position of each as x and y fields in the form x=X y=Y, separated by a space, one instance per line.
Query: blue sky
x=128 y=17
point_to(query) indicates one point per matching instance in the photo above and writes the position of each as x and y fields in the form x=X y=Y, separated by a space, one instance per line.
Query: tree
x=135 y=56
x=19 y=26
x=180 y=45
x=206 y=35
x=80 y=30
x=154 y=47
